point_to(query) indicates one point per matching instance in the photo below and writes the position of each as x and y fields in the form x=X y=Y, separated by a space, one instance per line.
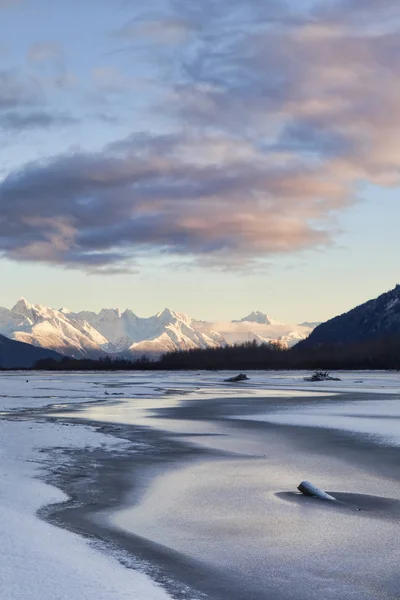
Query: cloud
x=17 y=90
x=163 y=31
x=277 y=115
x=319 y=86
x=46 y=59
x=23 y=104
x=360 y=12
x=37 y=119
x=163 y=194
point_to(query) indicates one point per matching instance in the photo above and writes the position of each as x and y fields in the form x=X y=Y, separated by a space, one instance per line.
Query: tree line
x=383 y=353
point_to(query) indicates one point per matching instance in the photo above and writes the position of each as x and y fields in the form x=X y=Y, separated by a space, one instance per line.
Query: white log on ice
x=309 y=489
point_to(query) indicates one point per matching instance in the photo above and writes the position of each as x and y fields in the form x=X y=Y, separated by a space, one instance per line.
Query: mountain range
x=112 y=332
x=29 y=332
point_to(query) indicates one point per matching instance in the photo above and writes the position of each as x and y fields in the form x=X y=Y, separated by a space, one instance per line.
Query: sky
x=216 y=157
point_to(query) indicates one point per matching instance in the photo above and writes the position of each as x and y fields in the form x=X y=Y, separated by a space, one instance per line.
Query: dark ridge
x=374 y=319
x=18 y=355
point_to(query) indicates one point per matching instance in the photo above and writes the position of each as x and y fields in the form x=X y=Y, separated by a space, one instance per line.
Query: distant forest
x=375 y=354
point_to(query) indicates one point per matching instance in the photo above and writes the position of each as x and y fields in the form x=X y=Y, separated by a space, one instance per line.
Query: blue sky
x=213 y=157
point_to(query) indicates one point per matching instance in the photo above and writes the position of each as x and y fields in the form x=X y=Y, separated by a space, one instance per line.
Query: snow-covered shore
x=39 y=561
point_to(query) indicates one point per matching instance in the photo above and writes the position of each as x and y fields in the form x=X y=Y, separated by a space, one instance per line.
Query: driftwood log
x=321 y=376
x=240 y=377
x=309 y=489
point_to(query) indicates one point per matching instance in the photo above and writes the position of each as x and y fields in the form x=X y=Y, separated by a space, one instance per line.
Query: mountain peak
x=64 y=310
x=110 y=313
x=256 y=317
x=166 y=311
x=166 y=314
x=22 y=306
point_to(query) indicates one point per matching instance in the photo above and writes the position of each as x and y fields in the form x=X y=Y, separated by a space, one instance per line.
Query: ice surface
x=378 y=419
x=241 y=513
x=41 y=562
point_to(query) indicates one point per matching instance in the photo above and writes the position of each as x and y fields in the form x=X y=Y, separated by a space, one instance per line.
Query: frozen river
x=192 y=482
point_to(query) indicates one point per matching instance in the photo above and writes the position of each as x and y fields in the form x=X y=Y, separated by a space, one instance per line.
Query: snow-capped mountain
x=107 y=332
x=48 y=328
x=262 y=329
x=257 y=317
x=166 y=331
x=111 y=331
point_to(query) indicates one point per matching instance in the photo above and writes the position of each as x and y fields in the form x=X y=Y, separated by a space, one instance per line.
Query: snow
x=110 y=330
x=392 y=304
x=39 y=561
x=40 y=389
x=49 y=328
x=258 y=317
x=113 y=331
x=244 y=331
